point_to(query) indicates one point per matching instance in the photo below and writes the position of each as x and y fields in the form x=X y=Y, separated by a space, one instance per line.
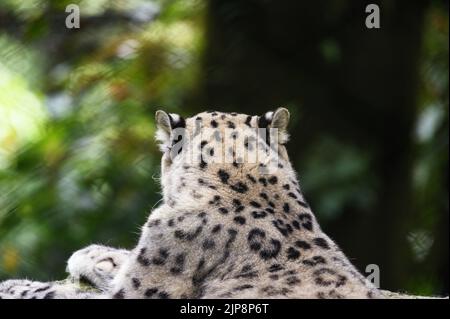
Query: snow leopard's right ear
x=165 y=124
x=279 y=119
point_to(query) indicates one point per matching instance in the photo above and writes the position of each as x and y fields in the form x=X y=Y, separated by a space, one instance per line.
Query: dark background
x=369 y=124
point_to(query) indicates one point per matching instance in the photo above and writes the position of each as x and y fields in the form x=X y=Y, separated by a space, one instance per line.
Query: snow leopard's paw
x=96 y=265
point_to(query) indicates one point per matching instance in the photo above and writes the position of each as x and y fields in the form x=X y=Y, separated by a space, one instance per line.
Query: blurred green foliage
x=78 y=162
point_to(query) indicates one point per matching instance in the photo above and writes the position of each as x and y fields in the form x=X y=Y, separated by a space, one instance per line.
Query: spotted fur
x=224 y=230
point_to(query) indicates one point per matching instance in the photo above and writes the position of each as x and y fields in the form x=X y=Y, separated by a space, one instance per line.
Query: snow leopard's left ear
x=165 y=124
x=278 y=119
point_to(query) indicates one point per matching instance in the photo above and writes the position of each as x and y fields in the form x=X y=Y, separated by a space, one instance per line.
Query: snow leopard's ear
x=278 y=119
x=165 y=124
